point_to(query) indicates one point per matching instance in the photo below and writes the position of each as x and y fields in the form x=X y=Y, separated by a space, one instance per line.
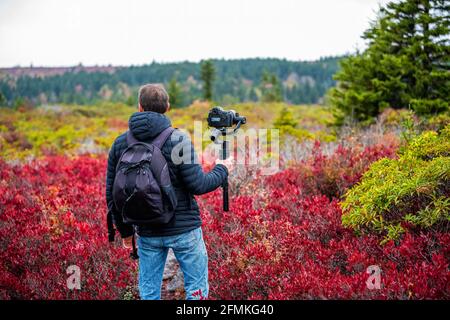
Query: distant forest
x=302 y=82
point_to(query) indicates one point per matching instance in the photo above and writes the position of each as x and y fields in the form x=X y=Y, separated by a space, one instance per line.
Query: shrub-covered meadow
x=342 y=201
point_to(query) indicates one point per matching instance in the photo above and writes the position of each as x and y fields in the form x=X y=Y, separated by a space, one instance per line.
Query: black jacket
x=188 y=178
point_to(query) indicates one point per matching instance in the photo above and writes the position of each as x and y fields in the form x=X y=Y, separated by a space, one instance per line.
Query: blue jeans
x=190 y=251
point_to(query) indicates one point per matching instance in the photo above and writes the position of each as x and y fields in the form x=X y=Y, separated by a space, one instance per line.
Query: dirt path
x=172 y=288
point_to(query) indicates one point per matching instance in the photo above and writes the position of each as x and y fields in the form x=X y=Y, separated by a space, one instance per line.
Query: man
x=183 y=234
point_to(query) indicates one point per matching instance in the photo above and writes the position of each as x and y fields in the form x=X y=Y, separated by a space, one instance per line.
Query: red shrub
x=296 y=248
x=282 y=238
x=52 y=215
x=332 y=175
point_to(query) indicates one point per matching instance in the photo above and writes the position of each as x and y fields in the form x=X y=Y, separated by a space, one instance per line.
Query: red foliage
x=282 y=238
x=296 y=248
x=52 y=215
x=331 y=175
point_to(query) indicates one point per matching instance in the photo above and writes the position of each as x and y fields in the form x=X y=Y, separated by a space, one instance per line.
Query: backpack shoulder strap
x=131 y=139
x=162 y=137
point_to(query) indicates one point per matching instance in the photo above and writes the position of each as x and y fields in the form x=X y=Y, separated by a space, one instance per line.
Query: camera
x=220 y=118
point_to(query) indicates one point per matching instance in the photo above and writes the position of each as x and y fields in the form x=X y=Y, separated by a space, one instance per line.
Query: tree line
x=406 y=65
x=234 y=81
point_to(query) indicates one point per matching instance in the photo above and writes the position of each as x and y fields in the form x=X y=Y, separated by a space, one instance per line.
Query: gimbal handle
x=223 y=156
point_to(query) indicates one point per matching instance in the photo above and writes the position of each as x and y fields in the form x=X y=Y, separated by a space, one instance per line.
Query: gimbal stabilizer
x=220 y=120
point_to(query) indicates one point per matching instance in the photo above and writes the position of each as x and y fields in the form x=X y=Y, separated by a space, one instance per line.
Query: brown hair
x=153 y=97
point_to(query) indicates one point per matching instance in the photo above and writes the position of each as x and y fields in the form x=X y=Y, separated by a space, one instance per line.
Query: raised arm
x=191 y=172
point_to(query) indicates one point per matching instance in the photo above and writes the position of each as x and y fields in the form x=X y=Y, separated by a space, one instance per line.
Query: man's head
x=153 y=97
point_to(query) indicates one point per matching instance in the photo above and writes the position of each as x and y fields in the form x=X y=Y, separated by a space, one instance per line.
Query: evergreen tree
x=175 y=94
x=2 y=100
x=131 y=100
x=406 y=64
x=270 y=88
x=207 y=74
x=285 y=119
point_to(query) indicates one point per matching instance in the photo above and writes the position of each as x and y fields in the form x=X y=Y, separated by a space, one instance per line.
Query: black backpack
x=142 y=190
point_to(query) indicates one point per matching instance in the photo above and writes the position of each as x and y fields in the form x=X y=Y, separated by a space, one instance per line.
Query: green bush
x=295 y=122
x=437 y=122
x=411 y=191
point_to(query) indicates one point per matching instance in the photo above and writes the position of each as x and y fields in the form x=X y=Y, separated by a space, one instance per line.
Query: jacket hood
x=147 y=125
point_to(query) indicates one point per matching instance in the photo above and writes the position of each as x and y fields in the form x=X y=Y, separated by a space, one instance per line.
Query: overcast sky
x=124 y=32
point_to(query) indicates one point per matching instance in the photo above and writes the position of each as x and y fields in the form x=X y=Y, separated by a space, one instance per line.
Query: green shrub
x=295 y=122
x=438 y=122
x=412 y=191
